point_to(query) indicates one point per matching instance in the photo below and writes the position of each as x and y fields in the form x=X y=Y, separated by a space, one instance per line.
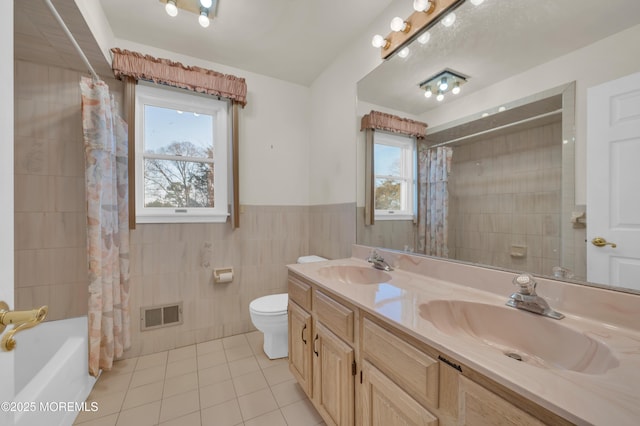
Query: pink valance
x=392 y=123
x=165 y=71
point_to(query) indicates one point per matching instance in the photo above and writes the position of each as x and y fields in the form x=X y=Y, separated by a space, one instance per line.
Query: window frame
x=178 y=99
x=407 y=175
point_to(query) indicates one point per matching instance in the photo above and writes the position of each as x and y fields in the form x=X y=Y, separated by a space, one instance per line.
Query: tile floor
x=223 y=382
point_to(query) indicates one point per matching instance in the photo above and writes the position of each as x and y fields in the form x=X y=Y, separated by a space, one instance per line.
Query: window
x=181 y=156
x=394 y=158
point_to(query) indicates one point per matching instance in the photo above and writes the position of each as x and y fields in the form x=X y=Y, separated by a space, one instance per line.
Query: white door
x=6 y=196
x=613 y=182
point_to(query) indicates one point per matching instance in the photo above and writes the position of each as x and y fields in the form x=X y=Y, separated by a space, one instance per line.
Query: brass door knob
x=601 y=242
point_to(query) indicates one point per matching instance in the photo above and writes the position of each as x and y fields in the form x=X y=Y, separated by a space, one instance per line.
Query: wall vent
x=152 y=317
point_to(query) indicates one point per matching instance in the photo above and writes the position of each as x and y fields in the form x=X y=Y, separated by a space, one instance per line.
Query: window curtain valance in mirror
x=165 y=71
x=392 y=123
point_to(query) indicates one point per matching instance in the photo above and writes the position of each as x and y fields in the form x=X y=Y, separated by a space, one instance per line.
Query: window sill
x=394 y=217
x=192 y=218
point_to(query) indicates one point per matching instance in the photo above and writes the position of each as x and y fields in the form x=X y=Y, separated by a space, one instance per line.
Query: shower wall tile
x=506 y=191
x=50 y=217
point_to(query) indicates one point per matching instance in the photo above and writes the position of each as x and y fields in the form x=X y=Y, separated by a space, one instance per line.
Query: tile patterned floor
x=225 y=382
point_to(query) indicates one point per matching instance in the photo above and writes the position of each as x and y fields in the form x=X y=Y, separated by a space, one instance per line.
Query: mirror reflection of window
x=394 y=159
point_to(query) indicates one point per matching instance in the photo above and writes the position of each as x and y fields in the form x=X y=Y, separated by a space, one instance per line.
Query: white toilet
x=269 y=315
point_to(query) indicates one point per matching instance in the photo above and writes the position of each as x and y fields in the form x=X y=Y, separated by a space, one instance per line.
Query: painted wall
x=607 y=59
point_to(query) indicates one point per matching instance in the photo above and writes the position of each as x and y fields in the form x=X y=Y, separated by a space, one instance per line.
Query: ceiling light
x=208 y=3
x=477 y=2
x=404 y=52
x=424 y=38
x=442 y=83
x=379 y=41
x=203 y=19
x=171 y=8
x=398 y=24
x=448 y=20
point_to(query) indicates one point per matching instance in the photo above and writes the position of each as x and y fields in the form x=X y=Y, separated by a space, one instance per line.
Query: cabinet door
x=385 y=404
x=300 y=346
x=333 y=377
x=481 y=407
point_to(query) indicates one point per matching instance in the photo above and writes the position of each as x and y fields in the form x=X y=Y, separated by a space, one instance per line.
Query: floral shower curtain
x=434 y=166
x=105 y=141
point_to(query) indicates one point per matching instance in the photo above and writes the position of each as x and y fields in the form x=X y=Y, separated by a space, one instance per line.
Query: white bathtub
x=51 y=372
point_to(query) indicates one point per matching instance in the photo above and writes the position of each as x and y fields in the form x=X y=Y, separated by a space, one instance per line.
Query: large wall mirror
x=515 y=135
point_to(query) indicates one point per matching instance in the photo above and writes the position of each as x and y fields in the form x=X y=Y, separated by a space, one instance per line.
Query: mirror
x=517 y=185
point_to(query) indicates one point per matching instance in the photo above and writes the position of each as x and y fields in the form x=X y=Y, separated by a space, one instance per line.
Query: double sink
x=519 y=335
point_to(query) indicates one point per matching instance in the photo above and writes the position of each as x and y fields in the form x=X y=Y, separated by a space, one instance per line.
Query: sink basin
x=354 y=274
x=521 y=336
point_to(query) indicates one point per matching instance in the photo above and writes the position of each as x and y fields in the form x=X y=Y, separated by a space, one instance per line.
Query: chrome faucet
x=527 y=299
x=378 y=261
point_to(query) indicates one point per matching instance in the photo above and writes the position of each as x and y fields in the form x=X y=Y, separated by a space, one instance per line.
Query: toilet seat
x=273 y=304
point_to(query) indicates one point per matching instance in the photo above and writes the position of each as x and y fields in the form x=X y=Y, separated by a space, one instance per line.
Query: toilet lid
x=272 y=304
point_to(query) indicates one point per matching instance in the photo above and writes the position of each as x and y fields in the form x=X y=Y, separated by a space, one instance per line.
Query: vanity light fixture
x=446 y=81
x=426 y=14
x=205 y=9
x=404 y=52
x=424 y=38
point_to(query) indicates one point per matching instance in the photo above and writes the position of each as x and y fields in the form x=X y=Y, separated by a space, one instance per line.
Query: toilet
x=269 y=315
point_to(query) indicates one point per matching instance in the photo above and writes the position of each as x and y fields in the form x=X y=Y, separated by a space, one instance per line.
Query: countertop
x=607 y=398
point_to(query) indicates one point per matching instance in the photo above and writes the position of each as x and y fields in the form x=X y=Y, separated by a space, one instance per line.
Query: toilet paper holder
x=223 y=275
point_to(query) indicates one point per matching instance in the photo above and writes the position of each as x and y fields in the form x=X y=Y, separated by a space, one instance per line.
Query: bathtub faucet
x=21 y=320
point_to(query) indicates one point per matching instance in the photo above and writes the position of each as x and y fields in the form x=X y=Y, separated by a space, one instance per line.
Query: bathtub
x=51 y=372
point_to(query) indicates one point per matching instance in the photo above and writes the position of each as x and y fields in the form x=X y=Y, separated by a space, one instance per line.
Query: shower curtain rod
x=504 y=126
x=56 y=15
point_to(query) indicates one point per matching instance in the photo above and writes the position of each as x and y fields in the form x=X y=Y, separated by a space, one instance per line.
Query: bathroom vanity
x=409 y=347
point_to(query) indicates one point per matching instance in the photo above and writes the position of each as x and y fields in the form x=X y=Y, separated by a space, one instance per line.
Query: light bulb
x=397 y=24
x=448 y=20
x=404 y=52
x=428 y=93
x=378 y=41
x=485 y=114
x=477 y=2
x=443 y=84
x=456 y=88
x=502 y=108
x=424 y=38
x=422 y=5
x=440 y=97
x=207 y=3
x=203 y=19
x=171 y=8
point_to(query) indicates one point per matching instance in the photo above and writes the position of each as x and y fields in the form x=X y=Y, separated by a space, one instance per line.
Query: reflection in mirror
x=516 y=133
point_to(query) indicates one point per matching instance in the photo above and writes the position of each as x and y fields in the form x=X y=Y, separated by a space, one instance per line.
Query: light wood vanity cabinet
x=321 y=352
x=358 y=369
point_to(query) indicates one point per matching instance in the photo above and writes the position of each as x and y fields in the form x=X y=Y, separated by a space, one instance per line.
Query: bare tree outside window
x=178 y=183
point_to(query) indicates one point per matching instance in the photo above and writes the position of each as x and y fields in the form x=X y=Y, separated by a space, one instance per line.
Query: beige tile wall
x=506 y=191
x=392 y=234
x=167 y=260
x=332 y=230
x=50 y=237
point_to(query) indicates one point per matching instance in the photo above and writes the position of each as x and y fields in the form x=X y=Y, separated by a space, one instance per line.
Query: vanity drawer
x=412 y=369
x=300 y=292
x=337 y=317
